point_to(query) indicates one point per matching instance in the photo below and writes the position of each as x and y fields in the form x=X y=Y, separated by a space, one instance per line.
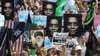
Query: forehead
x=39 y=36
x=49 y=5
x=72 y=19
x=53 y=21
x=7 y=4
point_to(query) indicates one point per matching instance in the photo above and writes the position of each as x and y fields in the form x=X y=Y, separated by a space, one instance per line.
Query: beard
x=40 y=43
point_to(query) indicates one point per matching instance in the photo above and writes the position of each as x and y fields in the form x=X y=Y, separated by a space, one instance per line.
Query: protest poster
x=51 y=0
x=69 y=19
x=27 y=37
x=37 y=38
x=39 y=20
x=49 y=5
x=8 y=13
x=54 y=24
x=59 y=39
x=2 y=19
x=23 y=15
x=47 y=43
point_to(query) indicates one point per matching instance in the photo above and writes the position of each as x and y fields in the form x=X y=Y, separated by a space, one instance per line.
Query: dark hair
x=3 y=6
x=38 y=33
x=49 y=18
x=77 y=16
x=79 y=19
x=45 y=4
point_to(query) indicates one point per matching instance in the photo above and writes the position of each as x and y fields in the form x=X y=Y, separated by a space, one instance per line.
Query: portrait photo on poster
x=8 y=9
x=53 y=25
x=48 y=8
x=27 y=36
x=73 y=24
x=37 y=37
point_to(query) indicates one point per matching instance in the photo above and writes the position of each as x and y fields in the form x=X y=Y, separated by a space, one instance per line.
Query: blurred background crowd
x=85 y=43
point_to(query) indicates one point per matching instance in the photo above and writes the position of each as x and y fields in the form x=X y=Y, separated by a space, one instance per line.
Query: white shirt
x=83 y=51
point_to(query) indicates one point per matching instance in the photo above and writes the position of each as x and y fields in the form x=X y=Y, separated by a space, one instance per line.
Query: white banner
x=59 y=39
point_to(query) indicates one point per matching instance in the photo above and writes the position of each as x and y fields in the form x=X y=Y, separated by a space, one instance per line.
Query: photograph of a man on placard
x=8 y=9
x=53 y=25
x=48 y=8
x=73 y=24
x=37 y=37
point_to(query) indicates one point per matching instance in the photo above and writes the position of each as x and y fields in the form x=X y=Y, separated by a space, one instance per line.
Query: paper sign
x=2 y=19
x=59 y=39
x=40 y=20
x=23 y=16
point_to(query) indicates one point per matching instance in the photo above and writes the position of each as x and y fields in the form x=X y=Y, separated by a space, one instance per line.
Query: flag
x=8 y=39
x=91 y=44
x=33 y=52
x=3 y=33
x=18 y=44
x=9 y=25
x=18 y=29
x=90 y=16
x=61 y=3
x=18 y=41
x=17 y=37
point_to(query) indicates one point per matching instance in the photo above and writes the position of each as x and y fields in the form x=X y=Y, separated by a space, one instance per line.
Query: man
x=39 y=38
x=48 y=8
x=72 y=24
x=8 y=9
x=53 y=25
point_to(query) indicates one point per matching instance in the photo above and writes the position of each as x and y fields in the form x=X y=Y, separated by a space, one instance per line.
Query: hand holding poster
x=59 y=39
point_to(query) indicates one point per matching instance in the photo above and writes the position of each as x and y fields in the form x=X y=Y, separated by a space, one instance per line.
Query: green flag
x=90 y=16
x=33 y=52
x=61 y=3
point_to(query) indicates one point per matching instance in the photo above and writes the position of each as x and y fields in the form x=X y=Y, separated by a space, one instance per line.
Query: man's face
x=39 y=38
x=72 y=25
x=7 y=9
x=48 y=9
x=54 y=26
